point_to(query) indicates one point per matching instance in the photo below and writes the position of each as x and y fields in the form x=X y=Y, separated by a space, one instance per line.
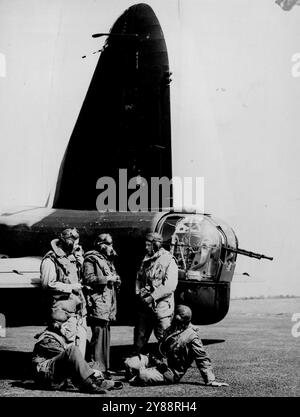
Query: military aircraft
x=124 y=123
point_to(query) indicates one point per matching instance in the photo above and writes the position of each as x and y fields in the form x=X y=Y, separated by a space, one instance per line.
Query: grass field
x=252 y=349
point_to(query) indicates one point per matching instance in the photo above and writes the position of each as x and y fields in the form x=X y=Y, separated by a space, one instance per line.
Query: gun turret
x=248 y=253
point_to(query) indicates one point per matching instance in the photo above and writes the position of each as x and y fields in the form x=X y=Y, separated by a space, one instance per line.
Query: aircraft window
x=196 y=244
x=167 y=230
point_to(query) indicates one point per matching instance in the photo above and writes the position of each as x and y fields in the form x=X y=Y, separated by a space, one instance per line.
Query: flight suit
x=102 y=303
x=55 y=359
x=158 y=277
x=179 y=348
x=58 y=272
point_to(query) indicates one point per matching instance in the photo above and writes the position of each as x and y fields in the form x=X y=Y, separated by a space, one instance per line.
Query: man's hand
x=118 y=282
x=217 y=384
x=144 y=292
x=112 y=278
x=147 y=300
x=76 y=288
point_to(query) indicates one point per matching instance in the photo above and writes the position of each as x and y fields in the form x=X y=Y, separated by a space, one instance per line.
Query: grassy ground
x=252 y=349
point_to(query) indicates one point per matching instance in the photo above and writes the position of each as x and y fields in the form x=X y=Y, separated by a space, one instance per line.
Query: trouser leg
x=164 y=313
x=70 y=364
x=161 y=326
x=101 y=344
x=81 y=336
x=142 y=330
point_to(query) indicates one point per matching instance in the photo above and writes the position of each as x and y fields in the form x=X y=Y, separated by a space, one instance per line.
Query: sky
x=235 y=96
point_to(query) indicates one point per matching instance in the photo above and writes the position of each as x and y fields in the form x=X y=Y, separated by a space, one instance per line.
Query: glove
x=155 y=361
x=217 y=384
x=162 y=367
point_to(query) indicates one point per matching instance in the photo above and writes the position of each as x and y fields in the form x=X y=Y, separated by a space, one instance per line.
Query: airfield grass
x=252 y=349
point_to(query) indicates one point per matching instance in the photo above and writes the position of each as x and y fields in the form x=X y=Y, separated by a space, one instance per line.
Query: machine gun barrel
x=248 y=253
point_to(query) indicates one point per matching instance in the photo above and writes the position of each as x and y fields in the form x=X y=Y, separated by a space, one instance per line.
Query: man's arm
x=171 y=280
x=138 y=283
x=49 y=278
x=202 y=361
x=89 y=276
x=204 y=364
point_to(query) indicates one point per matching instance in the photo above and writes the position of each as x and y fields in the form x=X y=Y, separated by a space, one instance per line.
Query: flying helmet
x=103 y=239
x=184 y=312
x=156 y=240
x=69 y=235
